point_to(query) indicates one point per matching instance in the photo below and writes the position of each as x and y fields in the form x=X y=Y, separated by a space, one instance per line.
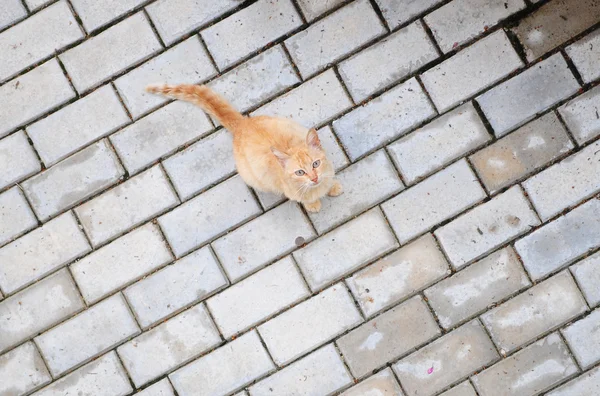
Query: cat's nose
x=314 y=179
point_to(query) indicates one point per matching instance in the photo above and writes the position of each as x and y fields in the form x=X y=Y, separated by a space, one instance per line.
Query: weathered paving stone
x=389 y=336
x=13 y=10
x=22 y=371
x=186 y=63
x=522 y=152
x=334 y=152
x=383 y=119
x=398 y=12
x=441 y=141
x=33 y=94
x=554 y=23
x=175 y=18
x=566 y=183
x=398 y=275
x=582 y=115
x=35 y=4
x=587 y=384
x=40 y=252
x=463 y=389
x=583 y=337
x=96 y=14
x=159 y=134
x=262 y=240
x=310 y=324
x=256 y=80
x=387 y=61
x=77 y=125
x=457 y=22
x=120 y=262
x=258 y=24
x=205 y=162
x=208 y=215
x=126 y=206
x=71 y=181
x=477 y=287
x=169 y=345
x=17 y=159
x=529 y=372
x=187 y=281
x=437 y=198
x=366 y=183
x=257 y=297
x=37 y=308
x=224 y=370
x=112 y=51
x=345 y=249
x=587 y=274
x=334 y=36
x=104 y=376
x=561 y=242
x=36 y=38
x=382 y=383
x=321 y=372
x=16 y=217
x=471 y=70
x=161 y=388
x=313 y=8
x=446 y=361
x=87 y=335
x=311 y=104
x=516 y=101
x=486 y=227
x=584 y=54
x=541 y=309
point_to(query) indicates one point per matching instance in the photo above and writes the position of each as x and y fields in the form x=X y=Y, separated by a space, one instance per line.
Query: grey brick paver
x=334 y=36
x=41 y=252
x=471 y=70
x=224 y=370
x=35 y=4
x=77 y=125
x=388 y=336
x=345 y=249
x=10 y=12
x=587 y=384
x=120 y=262
x=583 y=338
x=259 y=24
x=516 y=101
x=37 y=308
x=129 y=204
x=582 y=115
x=335 y=154
x=71 y=181
x=463 y=389
x=16 y=217
x=257 y=297
x=446 y=361
x=542 y=308
x=584 y=53
x=398 y=12
x=95 y=14
x=387 y=117
x=119 y=47
x=387 y=61
x=587 y=274
x=87 y=335
x=25 y=369
x=185 y=63
x=399 y=275
x=321 y=372
x=37 y=38
x=382 y=383
x=169 y=345
x=187 y=281
x=309 y=324
x=313 y=8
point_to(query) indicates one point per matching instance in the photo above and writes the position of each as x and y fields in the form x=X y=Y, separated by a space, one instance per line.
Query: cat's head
x=306 y=164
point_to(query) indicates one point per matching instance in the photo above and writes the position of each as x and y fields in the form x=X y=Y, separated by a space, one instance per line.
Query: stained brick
x=584 y=54
x=23 y=370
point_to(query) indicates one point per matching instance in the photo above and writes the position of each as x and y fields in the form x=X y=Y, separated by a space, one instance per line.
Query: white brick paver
x=161 y=388
x=382 y=382
x=25 y=369
x=582 y=115
x=10 y=12
x=584 y=53
x=587 y=384
x=583 y=337
x=95 y=14
x=587 y=274
x=17 y=159
x=16 y=216
x=398 y=12
x=313 y=8
x=463 y=389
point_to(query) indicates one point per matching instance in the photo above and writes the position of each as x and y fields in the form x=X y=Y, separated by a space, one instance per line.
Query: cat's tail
x=206 y=98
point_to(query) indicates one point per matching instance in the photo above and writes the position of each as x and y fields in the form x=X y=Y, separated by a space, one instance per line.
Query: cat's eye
x=300 y=172
x=316 y=163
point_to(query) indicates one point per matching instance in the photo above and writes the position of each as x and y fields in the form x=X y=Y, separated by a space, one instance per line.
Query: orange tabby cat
x=271 y=154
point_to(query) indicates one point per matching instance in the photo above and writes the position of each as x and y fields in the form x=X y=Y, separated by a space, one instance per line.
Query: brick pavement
x=461 y=259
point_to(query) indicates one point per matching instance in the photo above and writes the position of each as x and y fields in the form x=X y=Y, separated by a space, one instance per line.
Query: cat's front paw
x=313 y=206
x=336 y=189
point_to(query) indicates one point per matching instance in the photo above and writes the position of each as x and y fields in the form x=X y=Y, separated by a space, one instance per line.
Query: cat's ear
x=312 y=139
x=280 y=155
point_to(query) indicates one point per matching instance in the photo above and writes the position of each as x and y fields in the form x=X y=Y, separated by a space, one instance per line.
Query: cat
x=272 y=154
